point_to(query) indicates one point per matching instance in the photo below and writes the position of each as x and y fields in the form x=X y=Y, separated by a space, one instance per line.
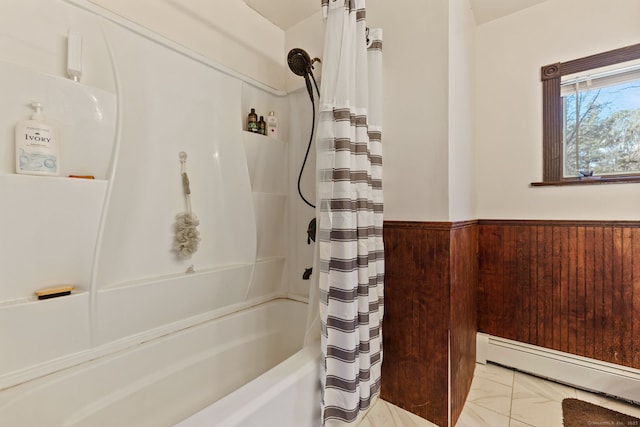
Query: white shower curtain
x=350 y=205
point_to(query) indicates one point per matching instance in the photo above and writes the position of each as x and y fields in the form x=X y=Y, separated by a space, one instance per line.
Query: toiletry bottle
x=272 y=125
x=37 y=146
x=252 y=121
x=262 y=126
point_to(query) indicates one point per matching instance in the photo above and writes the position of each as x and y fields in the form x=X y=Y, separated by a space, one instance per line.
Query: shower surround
x=141 y=101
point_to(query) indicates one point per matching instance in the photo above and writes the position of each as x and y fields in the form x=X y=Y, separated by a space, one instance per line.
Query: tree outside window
x=601 y=130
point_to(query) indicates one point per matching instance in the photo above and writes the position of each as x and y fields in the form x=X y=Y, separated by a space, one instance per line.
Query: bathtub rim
x=61 y=364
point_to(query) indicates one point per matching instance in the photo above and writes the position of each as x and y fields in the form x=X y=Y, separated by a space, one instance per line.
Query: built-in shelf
x=150 y=281
x=145 y=305
x=34 y=300
x=49 y=227
x=252 y=136
x=85 y=117
x=44 y=178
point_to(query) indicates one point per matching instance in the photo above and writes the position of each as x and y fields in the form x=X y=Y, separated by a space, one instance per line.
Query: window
x=591 y=119
x=601 y=122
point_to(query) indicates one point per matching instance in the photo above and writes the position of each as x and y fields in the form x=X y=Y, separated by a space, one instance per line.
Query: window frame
x=552 y=121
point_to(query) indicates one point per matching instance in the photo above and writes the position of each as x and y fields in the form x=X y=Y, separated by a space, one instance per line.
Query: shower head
x=301 y=64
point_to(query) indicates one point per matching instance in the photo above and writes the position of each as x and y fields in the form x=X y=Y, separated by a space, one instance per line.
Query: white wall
x=427 y=123
x=308 y=35
x=232 y=34
x=415 y=118
x=510 y=52
x=462 y=36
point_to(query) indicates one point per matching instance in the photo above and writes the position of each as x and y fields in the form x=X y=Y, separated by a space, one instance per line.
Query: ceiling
x=286 y=13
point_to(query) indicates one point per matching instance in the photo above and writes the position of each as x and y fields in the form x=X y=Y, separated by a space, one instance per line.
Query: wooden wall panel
x=572 y=286
x=463 y=280
x=415 y=324
x=430 y=279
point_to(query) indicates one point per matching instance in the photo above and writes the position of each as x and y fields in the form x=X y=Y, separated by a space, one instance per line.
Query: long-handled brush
x=187 y=237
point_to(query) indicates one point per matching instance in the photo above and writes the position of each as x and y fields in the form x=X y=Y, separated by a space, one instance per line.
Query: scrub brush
x=187 y=236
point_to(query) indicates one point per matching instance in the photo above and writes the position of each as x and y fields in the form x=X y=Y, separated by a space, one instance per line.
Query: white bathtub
x=165 y=381
x=285 y=396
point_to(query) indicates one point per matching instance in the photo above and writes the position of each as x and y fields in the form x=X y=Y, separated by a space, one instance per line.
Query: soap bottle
x=252 y=121
x=37 y=145
x=272 y=125
x=262 y=126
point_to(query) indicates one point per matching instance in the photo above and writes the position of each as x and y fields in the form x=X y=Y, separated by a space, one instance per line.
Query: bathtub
x=250 y=361
x=285 y=396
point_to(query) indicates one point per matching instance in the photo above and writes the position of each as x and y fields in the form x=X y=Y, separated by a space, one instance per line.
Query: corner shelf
x=252 y=136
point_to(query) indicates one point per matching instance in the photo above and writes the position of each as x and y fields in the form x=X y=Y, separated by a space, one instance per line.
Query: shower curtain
x=349 y=210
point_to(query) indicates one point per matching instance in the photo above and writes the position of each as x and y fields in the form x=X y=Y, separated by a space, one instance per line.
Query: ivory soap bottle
x=37 y=146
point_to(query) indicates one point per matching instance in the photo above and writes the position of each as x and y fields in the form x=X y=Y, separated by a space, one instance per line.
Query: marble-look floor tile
x=495 y=373
x=477 y=416
x=538 y=402
x=490 y=395
x=384 y=414
x=516 y=423
x=500 y=397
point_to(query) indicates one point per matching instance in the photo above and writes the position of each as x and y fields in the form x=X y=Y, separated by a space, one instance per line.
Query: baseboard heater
x=580 y=372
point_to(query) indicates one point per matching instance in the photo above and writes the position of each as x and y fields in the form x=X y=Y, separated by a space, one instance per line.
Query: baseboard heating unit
x=580 y=372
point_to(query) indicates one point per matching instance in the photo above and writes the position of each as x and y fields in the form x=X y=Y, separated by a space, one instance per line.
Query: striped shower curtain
x=350 y=205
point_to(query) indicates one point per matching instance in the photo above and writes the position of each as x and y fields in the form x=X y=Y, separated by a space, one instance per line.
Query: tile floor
x=384 y=414
x=500 y=397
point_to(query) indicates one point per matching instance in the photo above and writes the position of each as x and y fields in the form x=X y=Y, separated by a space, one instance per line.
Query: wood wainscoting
x=572 y=286
x=429 y=325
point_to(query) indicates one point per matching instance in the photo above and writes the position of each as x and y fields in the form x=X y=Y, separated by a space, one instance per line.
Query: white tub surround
x=165 y=380
x=142 y=99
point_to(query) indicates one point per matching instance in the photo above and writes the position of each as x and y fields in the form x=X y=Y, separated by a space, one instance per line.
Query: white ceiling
x=286 y=13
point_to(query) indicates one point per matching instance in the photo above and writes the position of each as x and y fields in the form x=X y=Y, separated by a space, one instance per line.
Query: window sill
x=588 y=181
